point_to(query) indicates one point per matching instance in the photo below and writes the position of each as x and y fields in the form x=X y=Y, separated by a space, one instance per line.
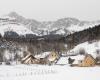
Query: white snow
x=42 y=55
x=77 y=58
x=56 y=72
x=90 y=48
x=20 y=29
x=61 y=71
x=63 y=60
x=76 y=28
x=61 y=31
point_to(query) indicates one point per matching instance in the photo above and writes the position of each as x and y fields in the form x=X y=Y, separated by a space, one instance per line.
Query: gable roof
x=29 y=56
x=89 y=55
x=43 y=55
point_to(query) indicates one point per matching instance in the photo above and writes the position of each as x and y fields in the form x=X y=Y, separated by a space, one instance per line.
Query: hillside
x=76 y=38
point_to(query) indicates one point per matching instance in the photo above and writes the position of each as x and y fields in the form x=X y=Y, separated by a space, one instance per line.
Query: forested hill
x=76 y=38
x=54 y=42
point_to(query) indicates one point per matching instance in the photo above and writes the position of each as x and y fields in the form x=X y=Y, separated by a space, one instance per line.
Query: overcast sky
x=45 y=10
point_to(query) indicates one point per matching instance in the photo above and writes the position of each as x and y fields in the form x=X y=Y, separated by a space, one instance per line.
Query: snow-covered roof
x=63 y=60
x=42 y=55
x=77 y=58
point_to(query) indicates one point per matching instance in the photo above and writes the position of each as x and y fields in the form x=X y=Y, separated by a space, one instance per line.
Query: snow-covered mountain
x=62 y=26
x=10 y=24
x=19 y=29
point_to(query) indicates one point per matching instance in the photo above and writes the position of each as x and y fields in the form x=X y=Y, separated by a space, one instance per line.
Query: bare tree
x=82 y=51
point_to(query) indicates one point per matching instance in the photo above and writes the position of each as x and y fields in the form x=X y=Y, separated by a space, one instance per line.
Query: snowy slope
x=89 y=48
x=8 y=23
x=62 y=30
x=19 y=29
x=77 y=28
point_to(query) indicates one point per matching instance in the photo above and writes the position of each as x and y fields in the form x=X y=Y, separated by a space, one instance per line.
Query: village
x=51 y=58
x=83 y=55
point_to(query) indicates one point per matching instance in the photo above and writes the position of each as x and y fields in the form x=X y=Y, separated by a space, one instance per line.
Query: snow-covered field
x=55 y=72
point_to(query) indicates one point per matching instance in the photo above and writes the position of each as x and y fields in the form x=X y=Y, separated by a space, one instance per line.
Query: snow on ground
x=63 y=60
x=90 y=48
x=20 y=29
x=60 y=71
x=77 y=28
x=55 y=72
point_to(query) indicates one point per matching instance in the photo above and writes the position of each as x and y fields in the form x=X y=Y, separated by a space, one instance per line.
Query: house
x=48 y=57
x=30 y=59
x=74 y=60
x=88 y=61
x=44 y=58
x=53 y=57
